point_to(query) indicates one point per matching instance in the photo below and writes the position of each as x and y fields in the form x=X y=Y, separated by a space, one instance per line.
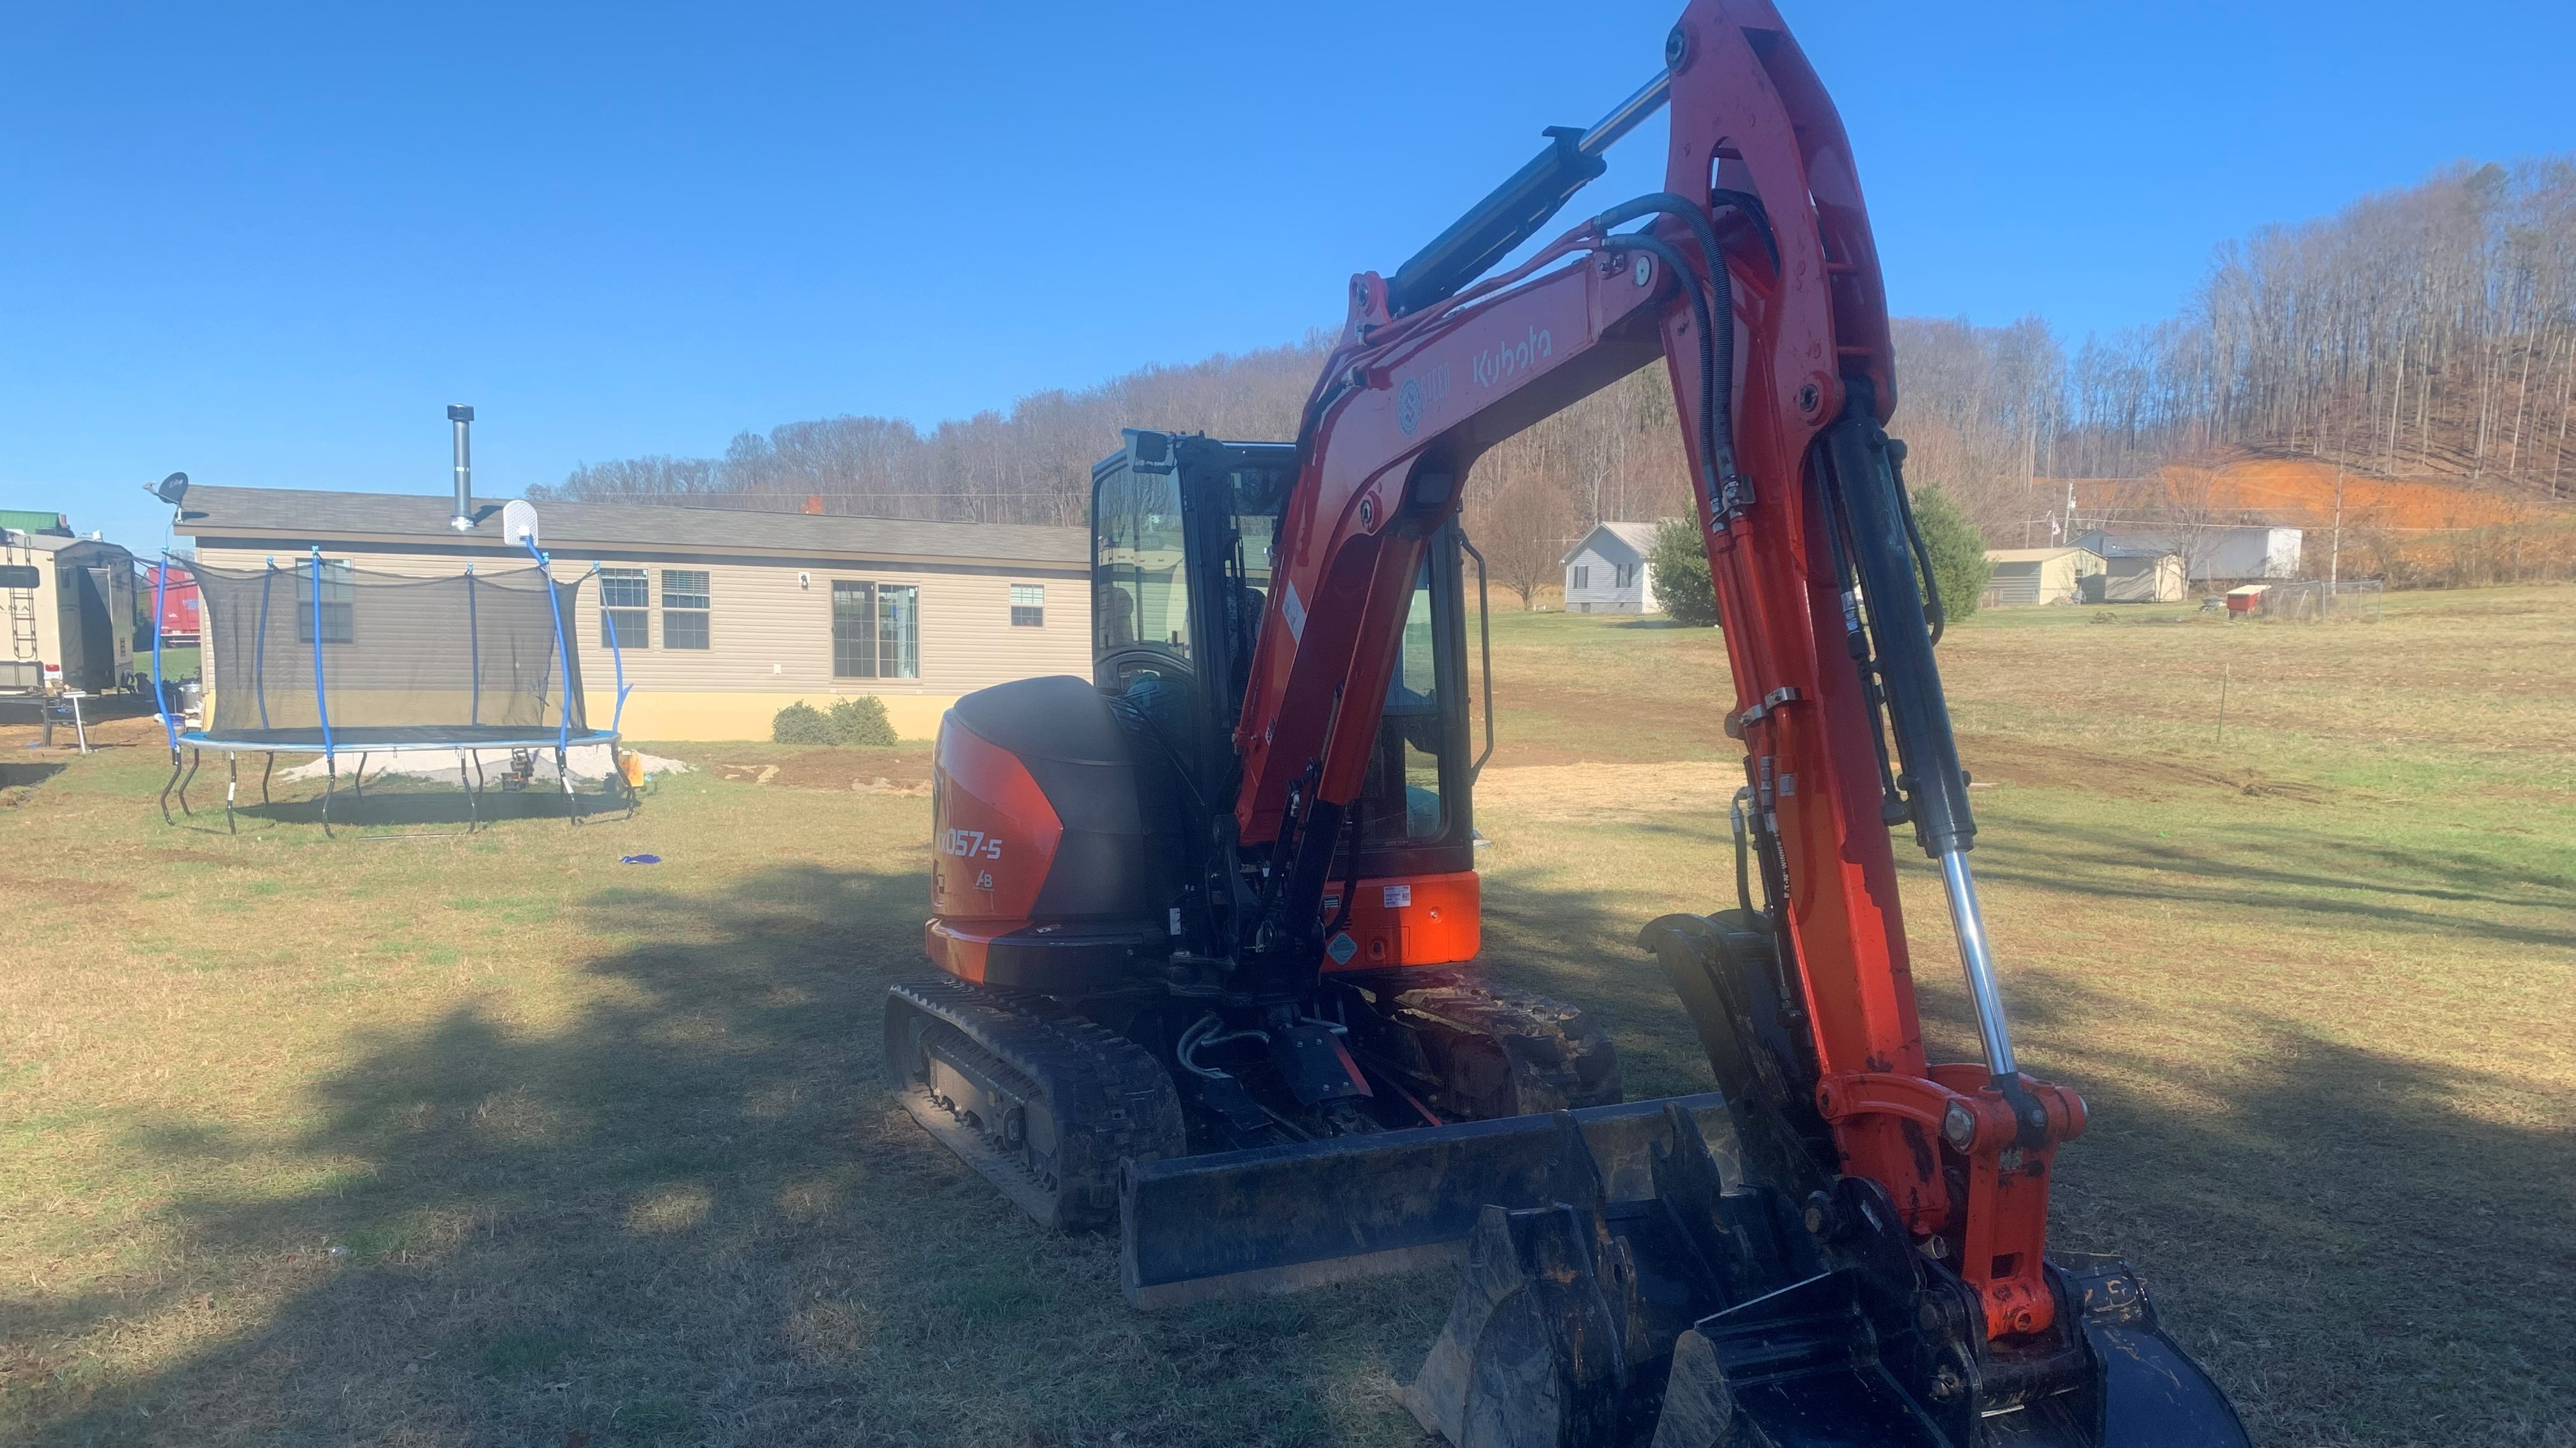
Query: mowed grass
x=497 y=1141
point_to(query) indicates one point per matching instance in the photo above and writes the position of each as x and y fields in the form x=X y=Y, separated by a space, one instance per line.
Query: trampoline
x=319 y=657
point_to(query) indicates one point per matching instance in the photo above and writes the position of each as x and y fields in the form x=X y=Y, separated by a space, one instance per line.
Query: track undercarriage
x=1047 y=1098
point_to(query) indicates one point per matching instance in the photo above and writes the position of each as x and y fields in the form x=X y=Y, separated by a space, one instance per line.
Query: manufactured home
x=721 y=617
x=2245 y=553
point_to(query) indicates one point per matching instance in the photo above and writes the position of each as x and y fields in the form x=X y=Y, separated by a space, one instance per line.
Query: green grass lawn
x=496 y=1140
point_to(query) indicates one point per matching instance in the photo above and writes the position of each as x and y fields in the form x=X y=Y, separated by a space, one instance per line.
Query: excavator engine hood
x=1044 y=871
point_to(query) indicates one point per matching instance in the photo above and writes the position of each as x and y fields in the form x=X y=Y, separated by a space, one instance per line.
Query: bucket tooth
x=2153 y=1393
x=1535 y=1353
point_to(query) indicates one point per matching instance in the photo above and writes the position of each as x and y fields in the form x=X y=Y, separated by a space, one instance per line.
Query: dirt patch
x=1589 y=793
x=1642 y=725
x=2006 y=760
x=56 y=891
x=901 y=770
x=1579 y=791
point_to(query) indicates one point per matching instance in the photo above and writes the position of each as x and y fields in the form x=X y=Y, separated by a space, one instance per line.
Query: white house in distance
x=2245 y=553
x=1606 y=571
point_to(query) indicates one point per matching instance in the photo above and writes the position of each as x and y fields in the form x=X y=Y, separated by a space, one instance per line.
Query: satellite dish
x=519 y=521
x=172 y=489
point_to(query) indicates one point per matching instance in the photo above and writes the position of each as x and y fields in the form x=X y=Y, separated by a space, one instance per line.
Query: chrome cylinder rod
x=1626 y=116
x=1970 y=924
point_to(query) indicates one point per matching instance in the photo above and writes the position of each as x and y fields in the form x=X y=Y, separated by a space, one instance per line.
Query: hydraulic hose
x=1914 y=536
x=1716 y=351
x=1717 y=459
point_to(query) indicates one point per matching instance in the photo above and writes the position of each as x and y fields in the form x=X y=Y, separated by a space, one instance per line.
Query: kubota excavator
x=1206 y=922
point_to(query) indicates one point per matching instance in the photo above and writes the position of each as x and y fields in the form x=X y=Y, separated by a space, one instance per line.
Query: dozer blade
x=1282 y=1218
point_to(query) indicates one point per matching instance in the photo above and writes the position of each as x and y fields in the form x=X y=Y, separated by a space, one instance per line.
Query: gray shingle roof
x=299 y=514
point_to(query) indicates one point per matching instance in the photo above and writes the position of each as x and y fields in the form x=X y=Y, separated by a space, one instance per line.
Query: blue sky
x=267 y=244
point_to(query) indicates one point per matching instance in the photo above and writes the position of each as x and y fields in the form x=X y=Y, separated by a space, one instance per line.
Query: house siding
x=771 y=639
x=1601 y=555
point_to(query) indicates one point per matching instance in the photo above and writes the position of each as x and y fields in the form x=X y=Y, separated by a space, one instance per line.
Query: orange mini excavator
x=1206 y=922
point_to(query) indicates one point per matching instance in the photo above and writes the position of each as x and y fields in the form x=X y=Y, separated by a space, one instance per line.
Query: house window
x=1028 y=605
x=1627 y=575
x=339 y=588
x=876 y=630
x=625 y=601
x=685 y=601
x=1580 y=576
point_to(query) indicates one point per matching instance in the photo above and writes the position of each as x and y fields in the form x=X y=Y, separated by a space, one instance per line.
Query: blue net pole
x=160 y=620
x=616 y=661
x=321 y=701
x=563 y=655
x=473 y=647
x=259 y=645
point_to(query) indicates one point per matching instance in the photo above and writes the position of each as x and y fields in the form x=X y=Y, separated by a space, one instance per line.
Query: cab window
x=1139 y=587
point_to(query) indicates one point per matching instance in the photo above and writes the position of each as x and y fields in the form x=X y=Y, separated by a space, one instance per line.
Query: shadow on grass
x=2288 y=870
x=28 y=775
x=2364 y=1248
x=690 y=1215
x=401 y=802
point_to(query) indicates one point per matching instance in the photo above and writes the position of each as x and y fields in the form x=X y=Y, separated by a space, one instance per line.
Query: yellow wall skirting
x=696 y=717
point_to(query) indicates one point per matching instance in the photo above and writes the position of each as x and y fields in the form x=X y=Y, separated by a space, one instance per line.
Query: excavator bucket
x=1282 y=1218
x=1717 y=1314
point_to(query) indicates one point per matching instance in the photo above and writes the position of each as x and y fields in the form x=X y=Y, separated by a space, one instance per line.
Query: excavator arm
x=1756 y=279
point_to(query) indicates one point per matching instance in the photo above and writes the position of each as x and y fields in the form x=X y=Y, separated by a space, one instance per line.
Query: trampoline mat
x=390 y=738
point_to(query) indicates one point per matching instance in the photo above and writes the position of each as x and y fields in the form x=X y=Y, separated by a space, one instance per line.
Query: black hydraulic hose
x=1717 y=352
x=1914 y=536
x=1719 y=465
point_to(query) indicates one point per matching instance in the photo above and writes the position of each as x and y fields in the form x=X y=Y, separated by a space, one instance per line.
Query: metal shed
x=2024 y=576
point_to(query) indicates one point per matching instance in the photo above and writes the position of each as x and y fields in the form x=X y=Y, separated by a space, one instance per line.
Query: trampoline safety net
x=400 y=659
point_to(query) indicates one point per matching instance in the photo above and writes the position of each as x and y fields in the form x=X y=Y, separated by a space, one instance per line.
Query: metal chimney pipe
x=461 y=418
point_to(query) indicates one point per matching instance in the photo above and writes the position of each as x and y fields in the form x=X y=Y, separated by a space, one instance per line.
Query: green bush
x=861 y=721
x=1959 y=566
x=1678 y=566
x=800 y=723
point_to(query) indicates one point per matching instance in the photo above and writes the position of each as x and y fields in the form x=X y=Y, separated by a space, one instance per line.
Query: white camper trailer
x=66 y=613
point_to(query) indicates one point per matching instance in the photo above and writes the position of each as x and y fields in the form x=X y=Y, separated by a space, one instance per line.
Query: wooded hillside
x=2423 y=335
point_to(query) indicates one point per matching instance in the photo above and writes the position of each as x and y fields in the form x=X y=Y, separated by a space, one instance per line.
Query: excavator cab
x=1113 y=995
x=1182 y=530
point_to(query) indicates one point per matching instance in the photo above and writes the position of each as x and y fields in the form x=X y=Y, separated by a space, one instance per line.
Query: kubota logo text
x=1495 y=364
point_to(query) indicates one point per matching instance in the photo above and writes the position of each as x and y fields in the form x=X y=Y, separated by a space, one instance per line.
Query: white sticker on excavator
x=1293 y=611
x=1398 y=896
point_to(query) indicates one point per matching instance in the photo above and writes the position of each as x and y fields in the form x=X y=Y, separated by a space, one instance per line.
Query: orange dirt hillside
x=2409 y=532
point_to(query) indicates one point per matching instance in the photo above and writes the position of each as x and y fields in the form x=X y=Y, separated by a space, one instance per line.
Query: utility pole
x=2334 y=550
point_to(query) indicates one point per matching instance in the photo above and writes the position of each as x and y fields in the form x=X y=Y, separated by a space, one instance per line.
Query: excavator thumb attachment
x=1282 y=1218
x=1716 y=1315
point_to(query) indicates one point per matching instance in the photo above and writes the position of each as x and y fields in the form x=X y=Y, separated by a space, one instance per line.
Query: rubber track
x=1110 y=1098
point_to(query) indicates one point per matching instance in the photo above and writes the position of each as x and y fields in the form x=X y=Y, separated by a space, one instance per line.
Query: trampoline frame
x=467 y=747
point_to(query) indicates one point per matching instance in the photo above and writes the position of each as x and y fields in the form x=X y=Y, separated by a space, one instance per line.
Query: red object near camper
x=180 y=608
